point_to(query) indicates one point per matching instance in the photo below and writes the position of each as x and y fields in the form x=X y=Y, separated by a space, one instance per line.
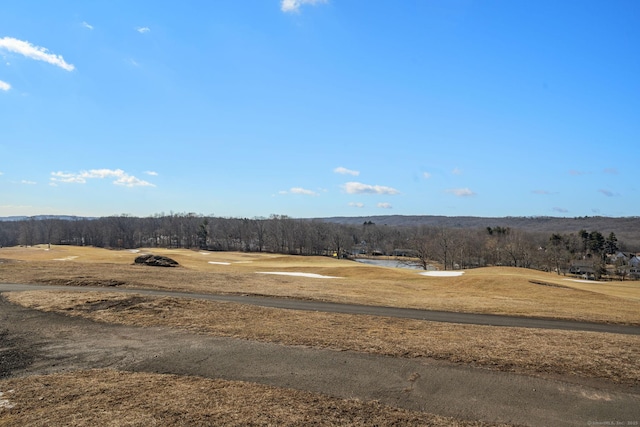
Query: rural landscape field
x=140 y=377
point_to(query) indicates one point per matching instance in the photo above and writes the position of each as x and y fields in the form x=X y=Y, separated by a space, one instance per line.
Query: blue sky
x=320 y=108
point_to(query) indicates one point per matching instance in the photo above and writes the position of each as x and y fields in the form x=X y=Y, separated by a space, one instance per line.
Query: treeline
x=448 y=248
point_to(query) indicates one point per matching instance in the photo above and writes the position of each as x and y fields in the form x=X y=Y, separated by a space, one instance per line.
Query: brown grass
x=111 y=398
x=117 y=398
x=499 y=290
x=611 y=357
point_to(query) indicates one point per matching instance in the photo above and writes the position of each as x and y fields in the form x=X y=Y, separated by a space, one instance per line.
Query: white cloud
x=461 y=192
x=384 y=205
x=360 y=188
x=34 y=52
x=151 y=173
x=356 y=204
x=143 y=30
x=294 y=5
x=121 y=177
x=345 y=171
x=426 y=175
x=24 y=181
x=4 y=86
x=456 y=171
x=543 y=192
x=87 y=25
x=300 y=190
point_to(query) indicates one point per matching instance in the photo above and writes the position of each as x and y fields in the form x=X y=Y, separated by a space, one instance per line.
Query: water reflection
x=393 y=263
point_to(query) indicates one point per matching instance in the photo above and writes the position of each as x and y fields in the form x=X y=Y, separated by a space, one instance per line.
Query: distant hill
x=41 y=217
x=626 y=229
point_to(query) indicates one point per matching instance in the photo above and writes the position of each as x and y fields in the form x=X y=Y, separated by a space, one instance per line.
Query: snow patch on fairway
x=583 y=281
x=219 y=263
x=69 y=258
x=286 y=273
x=442 y=273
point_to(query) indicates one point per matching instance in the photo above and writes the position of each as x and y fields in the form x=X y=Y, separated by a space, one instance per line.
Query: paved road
x=331 y=307
x=38 y=342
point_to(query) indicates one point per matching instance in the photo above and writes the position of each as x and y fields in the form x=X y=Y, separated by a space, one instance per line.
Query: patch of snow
x=219 y=263
x=286 y=273
x=442 y=273
x=69 y=258
x=205 y=253
x=5 y=403
x=134 y=251
x=583 y=281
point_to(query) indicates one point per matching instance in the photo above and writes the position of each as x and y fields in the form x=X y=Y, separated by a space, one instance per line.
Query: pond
x=393 y=263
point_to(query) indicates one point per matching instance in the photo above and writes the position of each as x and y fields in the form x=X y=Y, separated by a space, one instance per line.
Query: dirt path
x=331 y=307
x=35 y=342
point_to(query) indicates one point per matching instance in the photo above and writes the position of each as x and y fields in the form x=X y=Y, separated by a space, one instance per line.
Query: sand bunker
x=442 y=273
x=312 y=275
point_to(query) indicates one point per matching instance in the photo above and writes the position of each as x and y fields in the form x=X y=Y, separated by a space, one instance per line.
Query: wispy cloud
x=34 y=52
x=356 y=204
x=611 y=171
x=456 y=171
x=299 y=190
x=426 y=175
x=384 y=205
x=345 y=171
x=4 y=86
x=121 y=177
x=577 y=172
x=607 y=192
x=461 y=192
x=143 y=30
x=151 y=173
x=87 y=25
x=293 y=6
x=561 y=210
x=360 y=188
x=542 y=192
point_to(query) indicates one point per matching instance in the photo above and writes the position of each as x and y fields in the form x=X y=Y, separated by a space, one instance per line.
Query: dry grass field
x=582 y=355
x=110 y=395
x=115 y=399
x=498 y=290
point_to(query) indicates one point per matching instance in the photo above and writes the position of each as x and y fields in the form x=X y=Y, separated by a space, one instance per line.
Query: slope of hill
x=625 y=228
